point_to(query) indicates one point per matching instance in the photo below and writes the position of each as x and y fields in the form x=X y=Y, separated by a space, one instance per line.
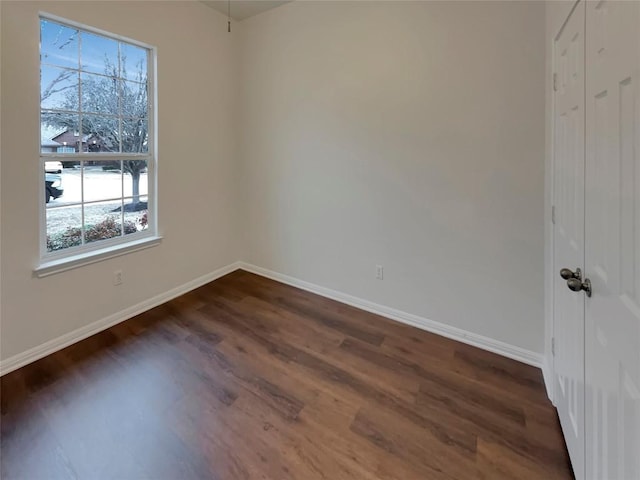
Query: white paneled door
x=612 y=228
x=569 y=114
x=597 y=237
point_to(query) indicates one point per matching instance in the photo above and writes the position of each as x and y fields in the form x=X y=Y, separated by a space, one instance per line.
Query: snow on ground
x=98 y=185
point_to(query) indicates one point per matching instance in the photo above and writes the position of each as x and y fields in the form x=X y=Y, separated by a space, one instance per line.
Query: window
x=95 y=103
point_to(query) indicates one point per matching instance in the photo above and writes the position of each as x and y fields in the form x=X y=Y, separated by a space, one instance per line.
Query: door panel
x=612 y=249
x=569 y=114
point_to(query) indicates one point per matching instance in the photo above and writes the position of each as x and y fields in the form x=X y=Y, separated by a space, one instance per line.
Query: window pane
x=62 y=183
x=58 y=88
x=100 y=94
x=99 y=54
x=94 y=99
x=102 y=180
x=102 y=221
x=64 y=227
x=135 y=216
x=56 y=130
x=101 y=133
x=135 y=178
x=133 y=63
x=134 y=99
x=135 y=135
x=58 y=44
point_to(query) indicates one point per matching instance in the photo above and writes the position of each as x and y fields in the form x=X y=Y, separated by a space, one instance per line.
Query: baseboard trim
x=496 y=346
x=51 y=346
x=474 y=339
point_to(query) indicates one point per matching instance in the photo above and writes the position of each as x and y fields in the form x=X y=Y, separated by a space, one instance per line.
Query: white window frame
x=72 y=257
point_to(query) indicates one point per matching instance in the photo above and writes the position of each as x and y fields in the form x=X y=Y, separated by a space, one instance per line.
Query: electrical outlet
x=379 y=272
x=117 y=277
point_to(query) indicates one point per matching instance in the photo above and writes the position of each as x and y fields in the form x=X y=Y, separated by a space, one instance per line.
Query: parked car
x=53 y=166
x=53 y=186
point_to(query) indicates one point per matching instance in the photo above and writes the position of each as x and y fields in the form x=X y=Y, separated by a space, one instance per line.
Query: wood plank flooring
x=246 y=378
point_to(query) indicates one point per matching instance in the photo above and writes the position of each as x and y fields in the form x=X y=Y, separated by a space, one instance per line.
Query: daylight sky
x=72 y=57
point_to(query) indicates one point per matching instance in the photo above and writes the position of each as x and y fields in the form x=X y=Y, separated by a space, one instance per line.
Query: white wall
x=407 y=134
x=197 y=174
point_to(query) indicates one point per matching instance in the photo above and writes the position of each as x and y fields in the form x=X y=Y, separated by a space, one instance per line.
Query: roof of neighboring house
x=46 y=142
x=84 y=137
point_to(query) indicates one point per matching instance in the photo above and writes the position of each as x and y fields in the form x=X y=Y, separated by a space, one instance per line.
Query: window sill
x=69 y=263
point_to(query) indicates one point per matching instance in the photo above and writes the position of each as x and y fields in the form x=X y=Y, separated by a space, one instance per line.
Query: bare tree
x=114 y=115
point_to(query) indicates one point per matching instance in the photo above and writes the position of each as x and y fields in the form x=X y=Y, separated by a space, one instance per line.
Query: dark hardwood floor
x=246 y=378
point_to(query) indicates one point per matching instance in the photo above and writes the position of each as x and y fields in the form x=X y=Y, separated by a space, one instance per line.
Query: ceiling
x=241 y=9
